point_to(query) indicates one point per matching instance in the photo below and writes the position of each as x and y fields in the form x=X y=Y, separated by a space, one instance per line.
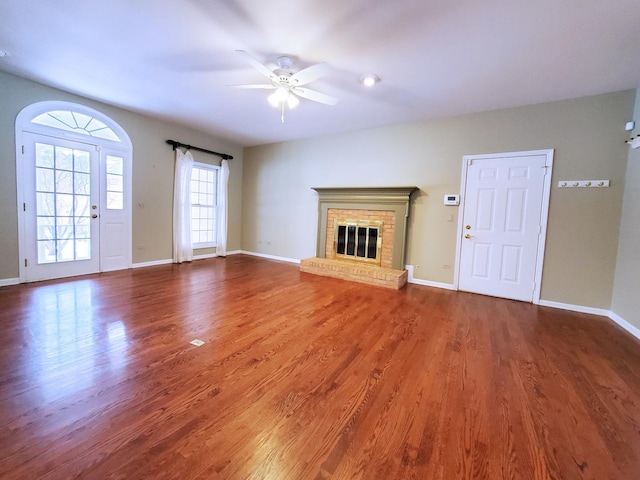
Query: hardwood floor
x=306 y=377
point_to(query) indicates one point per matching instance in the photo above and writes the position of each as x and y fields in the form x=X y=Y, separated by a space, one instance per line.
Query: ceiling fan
x=288 y=85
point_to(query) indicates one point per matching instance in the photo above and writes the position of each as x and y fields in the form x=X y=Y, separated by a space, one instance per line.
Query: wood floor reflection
x=306 y=377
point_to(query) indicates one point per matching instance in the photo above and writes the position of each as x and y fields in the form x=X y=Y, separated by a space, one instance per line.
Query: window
x=204 y=205
x=73 y=121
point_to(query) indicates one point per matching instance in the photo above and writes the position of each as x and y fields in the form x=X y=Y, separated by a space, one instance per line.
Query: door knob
x=94 y=215
x=466 y=235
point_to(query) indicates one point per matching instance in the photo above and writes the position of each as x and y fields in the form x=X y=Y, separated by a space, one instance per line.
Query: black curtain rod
x=191 y=147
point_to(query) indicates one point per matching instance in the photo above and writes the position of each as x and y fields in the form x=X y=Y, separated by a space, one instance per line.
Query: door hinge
x=24 y=207
x=23 y=149
x=25 y=262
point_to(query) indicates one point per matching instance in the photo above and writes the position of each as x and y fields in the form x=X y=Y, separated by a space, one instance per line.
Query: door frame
x=544 y=215
x=124 y=147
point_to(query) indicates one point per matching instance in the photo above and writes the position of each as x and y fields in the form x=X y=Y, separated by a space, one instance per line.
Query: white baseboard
x=595 y=311
x=5 y=282
x=151 y=264
x=169 y=260
x=426 y=283
x=205 y=255
x=633 y=330
x=271 y=257
x=575 y=308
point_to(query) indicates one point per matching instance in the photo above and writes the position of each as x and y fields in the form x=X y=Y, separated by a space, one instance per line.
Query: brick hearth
x=355 y=271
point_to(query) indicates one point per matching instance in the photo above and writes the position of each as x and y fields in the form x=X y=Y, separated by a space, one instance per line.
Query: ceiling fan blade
x=259 y=66
x=309 y=74
x=314 y=96
x=258 y=85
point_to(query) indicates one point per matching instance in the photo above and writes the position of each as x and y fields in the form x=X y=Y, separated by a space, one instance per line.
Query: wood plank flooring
x=306 y=377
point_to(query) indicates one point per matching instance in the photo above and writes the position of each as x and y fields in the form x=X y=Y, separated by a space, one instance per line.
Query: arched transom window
x=76 y=122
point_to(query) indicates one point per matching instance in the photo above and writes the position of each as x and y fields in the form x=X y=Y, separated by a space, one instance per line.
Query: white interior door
x=504 y=224
x=76 y=208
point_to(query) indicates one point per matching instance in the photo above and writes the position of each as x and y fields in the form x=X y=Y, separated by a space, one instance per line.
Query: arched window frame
x=24 y=124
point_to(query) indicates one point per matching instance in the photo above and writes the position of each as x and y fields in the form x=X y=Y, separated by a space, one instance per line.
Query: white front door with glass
x=71 y=191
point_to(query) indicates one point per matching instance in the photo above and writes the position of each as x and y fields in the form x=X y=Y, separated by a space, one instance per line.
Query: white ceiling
x=174 y=59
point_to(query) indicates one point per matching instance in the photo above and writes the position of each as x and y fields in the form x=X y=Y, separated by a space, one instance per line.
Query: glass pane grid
x=203 y=205
x=62 y=204
x=115 y=182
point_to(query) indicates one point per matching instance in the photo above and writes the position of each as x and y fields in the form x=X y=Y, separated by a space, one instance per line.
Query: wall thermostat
x=452 y=199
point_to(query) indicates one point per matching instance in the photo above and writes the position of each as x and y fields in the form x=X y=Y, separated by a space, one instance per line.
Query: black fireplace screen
x=359 y=240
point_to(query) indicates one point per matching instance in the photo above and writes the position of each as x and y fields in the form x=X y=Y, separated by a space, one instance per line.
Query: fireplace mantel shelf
x=365 y=192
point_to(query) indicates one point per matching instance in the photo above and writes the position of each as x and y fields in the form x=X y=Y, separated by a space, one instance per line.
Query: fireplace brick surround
x=388 y=227
x=389 y=205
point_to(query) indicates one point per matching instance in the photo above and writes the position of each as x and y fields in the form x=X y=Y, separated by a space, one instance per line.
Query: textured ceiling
x=174 y=59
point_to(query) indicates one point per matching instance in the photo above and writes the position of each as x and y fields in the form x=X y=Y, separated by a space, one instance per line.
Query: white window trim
x=205 y=166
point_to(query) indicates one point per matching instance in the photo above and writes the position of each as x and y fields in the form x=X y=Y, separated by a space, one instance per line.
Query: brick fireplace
x=362 y=235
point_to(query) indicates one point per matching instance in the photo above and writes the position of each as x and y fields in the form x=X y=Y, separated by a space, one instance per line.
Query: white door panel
x=501 y=218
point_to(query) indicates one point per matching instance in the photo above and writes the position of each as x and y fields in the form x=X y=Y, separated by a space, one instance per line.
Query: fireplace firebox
x=359 y=240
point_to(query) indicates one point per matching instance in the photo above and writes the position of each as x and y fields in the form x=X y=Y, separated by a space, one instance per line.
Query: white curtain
x=223 y=211
x=182 y=249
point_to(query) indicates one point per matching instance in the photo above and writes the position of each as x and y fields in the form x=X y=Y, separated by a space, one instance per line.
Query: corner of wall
x=625 y=302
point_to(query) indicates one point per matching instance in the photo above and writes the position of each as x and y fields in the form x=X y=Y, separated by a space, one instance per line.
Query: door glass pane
x=46 y=203
x=44 y=155
x=64 y=158
x=114 y=165
x=115 y=182
x=82 y=185
x=64 y=181
x=81 y=206
x=45 y=180
x=83 y=249
x=62 y=204
x=46 y=251
x=46 y=228
x=82 y=161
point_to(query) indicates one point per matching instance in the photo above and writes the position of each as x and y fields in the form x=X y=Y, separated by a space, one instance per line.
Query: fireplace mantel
x=394 y=199
x=370 y=194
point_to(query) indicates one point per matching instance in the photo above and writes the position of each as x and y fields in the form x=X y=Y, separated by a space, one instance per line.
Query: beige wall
x=626 y=292
x=153 y=162
x=280 y=209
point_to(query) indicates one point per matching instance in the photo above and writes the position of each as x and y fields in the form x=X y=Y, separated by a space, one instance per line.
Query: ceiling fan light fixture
x=278 y=97
x=292 y=101
x=369 y=79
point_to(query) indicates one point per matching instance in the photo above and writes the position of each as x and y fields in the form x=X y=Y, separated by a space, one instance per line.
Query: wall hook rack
x=583 y=183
